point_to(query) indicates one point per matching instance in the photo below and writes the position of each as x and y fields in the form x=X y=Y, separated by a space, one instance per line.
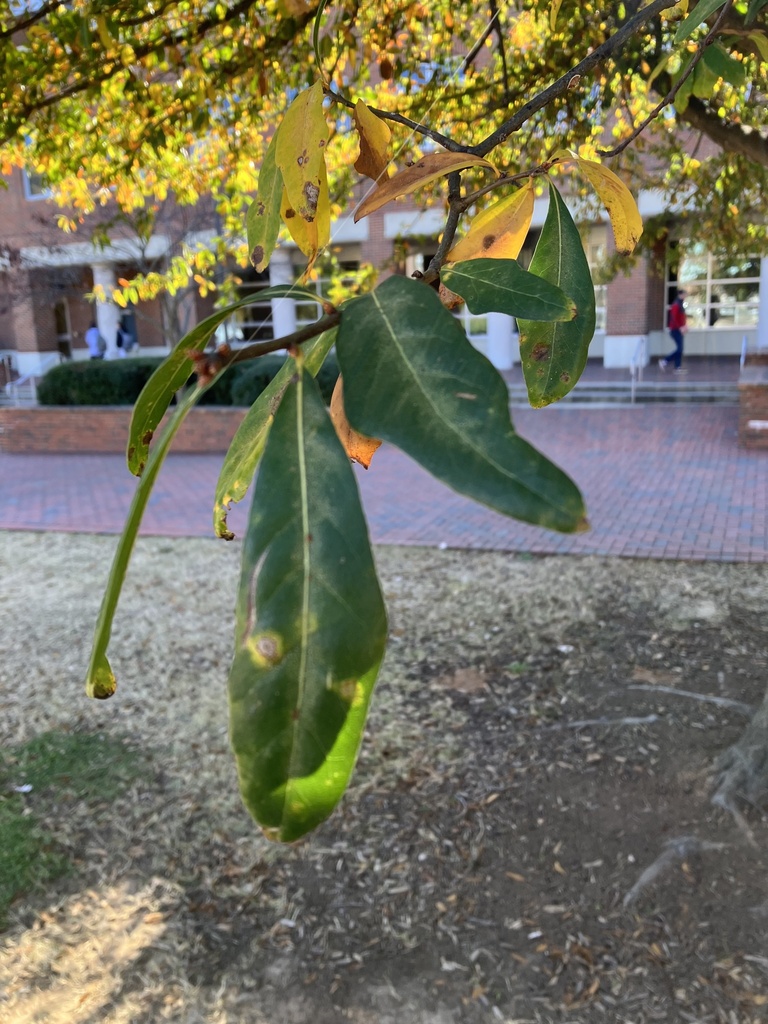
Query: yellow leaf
x=357 y=446
x=310 y=236
x=625 y=217
x=429 y=168
x=554 y=10
x=300 y=151
x=374 y=143
x=500 y=231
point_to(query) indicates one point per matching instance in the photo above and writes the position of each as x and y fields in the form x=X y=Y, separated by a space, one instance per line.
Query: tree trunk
x=742 y=771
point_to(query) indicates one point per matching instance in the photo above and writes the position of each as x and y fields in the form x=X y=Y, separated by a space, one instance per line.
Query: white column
x=107 y=313
x=501 y=340
x=762 y=310
x=283 y=310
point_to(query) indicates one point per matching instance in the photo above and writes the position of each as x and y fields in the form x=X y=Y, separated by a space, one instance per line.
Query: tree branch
x=263 y=348
x=733 y=138
x=675 y=88
x=558 y=88
x=386 y=115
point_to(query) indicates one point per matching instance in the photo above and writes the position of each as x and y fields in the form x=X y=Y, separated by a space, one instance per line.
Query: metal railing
x=637 y=364
x=15 y=389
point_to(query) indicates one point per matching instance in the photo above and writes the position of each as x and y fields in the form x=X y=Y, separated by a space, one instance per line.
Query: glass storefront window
x=720 y=293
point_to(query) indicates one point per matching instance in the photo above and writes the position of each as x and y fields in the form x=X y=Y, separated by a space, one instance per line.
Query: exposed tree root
x=585 y=723
x=742 y=771
x=675 y=849
x=705 y=698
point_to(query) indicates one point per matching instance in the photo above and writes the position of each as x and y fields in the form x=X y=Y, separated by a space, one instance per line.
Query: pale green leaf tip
x=101 y=683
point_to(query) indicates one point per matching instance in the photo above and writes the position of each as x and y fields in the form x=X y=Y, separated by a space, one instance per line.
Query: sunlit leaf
x=622 y=209
x=357 y=446
x=311 y=625
x=262 y=221
x=375 y=137
x=412 y=378
x=300 y=152
x=500 y=230
x=429 y=168
x=310 y=236
x=554 y=10
x=700 y=13
x=722 y=65
x=554 y=355
x=247 y=445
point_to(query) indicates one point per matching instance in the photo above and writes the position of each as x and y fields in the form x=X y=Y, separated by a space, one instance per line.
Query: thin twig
x=706 y=698
x=469 y=59
x=506 y=179
x=387 y=115
x=676 y=849
x=673 y=91
x=558 y=88
x=263 y=348
x=449 y=231
x=587 y=722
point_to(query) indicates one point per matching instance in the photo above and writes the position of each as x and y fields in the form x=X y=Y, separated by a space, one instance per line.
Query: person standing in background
x=95 y=342
x=677 y=323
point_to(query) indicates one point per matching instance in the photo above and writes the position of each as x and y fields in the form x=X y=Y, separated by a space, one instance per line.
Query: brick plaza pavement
x=659 y=481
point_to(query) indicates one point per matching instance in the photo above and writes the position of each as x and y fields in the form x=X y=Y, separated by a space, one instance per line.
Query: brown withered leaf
x=429 y=168
x=374 y=143
x=357 y=446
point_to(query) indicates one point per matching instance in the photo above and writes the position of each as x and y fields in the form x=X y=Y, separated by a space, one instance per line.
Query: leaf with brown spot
x=357 y=446
x=500 y=231
x=300 y=152
x=375 y=137
x=429 y=168
x=262 y=220
x=549 y=352
x=314 y=234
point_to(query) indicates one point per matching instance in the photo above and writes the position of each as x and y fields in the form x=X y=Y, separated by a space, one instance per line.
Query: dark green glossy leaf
x=754 y=8
x=100 y=681
x=699 y=14
x=311 y=624
x=248 y=443
x=722 y=65
x=502 y=286
x=411 y=377
x=156 y=395
x=262 y=220
x=554 y=354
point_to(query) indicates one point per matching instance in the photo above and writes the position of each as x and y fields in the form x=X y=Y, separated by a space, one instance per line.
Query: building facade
x=46 y=276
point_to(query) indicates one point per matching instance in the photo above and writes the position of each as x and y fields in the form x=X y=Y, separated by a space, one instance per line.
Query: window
x=346 y=276
x=35 y=185
x=254 y=321
x=719 y=293
x=596 y=253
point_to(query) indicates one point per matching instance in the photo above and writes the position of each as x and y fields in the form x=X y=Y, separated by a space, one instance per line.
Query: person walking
x=95 y=342
x=677 y=323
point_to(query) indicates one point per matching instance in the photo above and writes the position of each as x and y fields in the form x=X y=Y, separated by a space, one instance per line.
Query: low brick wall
x=95 y=429
x=753 y=404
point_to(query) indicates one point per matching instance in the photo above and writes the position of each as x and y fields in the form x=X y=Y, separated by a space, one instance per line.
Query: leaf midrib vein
x=479 y=451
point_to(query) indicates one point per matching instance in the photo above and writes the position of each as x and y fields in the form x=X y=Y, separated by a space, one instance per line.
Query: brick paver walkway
x=659 y=481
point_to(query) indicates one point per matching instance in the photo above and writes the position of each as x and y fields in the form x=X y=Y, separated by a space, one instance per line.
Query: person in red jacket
x=677 y=323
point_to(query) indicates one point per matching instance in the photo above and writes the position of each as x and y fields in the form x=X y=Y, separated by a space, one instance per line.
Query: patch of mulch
x=542 y=736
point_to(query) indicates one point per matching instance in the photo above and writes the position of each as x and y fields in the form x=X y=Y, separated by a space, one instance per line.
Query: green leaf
x=502 y=286
x=100 y=681
x=755 y=6
x=411 y=377
x=262 y=220
x=156 y=395
x=684 y=93
x=700 y=13
x=722 y=65
x=248 y=443
x=311 y=624
x=554 y=355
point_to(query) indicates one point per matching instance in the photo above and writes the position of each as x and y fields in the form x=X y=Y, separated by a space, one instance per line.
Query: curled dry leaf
x=374 y=143
x=429 y=168
x=449 y=299
x=622 y=209
x=357 y=446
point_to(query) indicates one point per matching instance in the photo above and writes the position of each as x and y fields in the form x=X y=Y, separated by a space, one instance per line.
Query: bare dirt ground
x=486 y=864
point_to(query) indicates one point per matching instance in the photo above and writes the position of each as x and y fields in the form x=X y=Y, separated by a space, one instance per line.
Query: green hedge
x=119 y=381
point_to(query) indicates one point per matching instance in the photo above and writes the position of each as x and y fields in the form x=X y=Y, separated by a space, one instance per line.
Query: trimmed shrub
x=250 y=379
x=97 y=381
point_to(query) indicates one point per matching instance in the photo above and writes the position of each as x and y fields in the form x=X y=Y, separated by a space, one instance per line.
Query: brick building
x=47 y=275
